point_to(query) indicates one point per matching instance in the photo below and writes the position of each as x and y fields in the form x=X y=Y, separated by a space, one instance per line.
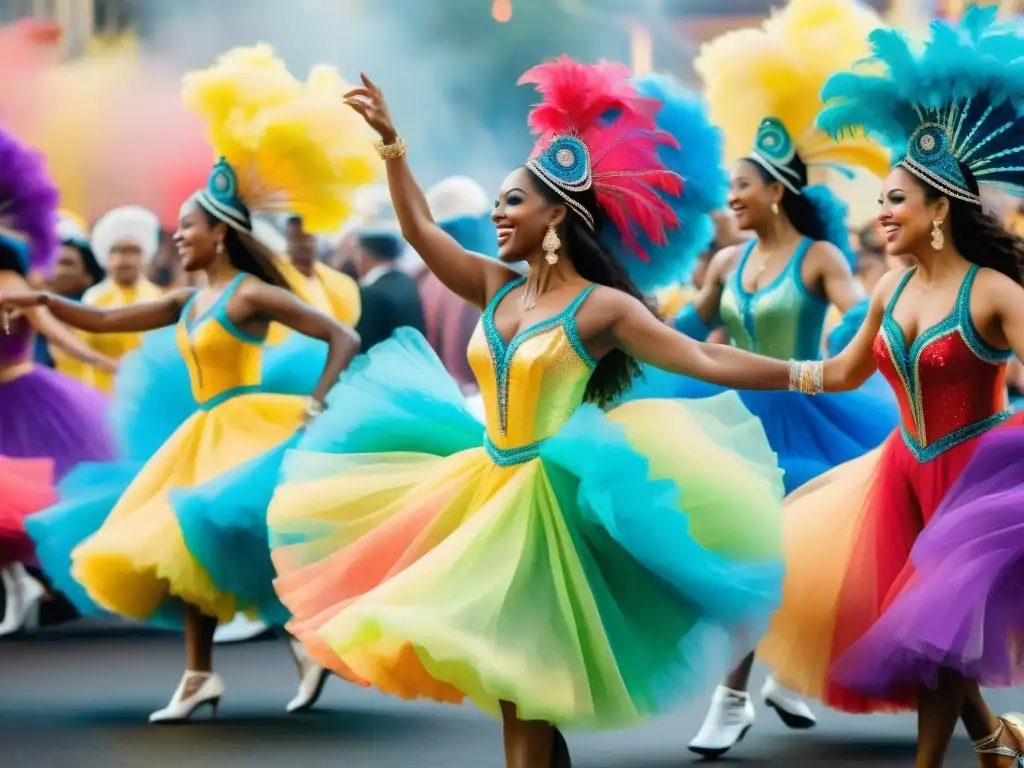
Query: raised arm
x=271 y=304
x=473 y=277
x=136 y=318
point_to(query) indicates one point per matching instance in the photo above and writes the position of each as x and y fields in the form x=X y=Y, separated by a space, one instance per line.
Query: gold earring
x=220 y=246
x=775 y=208
x=938 y=239
x=551 y=244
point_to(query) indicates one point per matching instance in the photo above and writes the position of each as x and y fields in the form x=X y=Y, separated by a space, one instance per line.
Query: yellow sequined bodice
x=222 y=361
x=533 y=383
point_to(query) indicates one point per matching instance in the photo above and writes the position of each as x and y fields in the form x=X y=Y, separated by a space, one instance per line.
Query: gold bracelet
x=390 y=151
x=807 y=376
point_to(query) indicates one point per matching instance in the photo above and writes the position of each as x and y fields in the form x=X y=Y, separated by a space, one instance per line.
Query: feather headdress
x=597 y=129
x=957 y=103
x=284 y=145
x=763 y=86
x=28 y=205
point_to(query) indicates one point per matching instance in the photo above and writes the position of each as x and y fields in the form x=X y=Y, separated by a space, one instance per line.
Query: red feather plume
x=598 y=104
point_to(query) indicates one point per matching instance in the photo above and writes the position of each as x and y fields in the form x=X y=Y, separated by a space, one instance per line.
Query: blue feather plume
x=684 y=116
x=969 y=78
x=474 y=233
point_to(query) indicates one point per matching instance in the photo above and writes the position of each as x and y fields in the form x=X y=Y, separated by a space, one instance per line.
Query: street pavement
x=78 y=697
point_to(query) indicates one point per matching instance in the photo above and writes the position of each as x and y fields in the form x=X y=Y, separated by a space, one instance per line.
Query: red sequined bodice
x=950 y=384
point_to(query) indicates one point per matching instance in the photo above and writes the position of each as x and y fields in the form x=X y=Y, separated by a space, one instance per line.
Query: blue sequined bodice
x=783 y=320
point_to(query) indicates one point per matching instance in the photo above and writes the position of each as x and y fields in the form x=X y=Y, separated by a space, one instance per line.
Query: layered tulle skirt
x=897 y=568
x=48 y=424
x=811 y=435
x=591 y=585
x=182 y=516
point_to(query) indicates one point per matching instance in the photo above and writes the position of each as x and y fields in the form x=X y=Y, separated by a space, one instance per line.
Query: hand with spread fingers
x=369 y=102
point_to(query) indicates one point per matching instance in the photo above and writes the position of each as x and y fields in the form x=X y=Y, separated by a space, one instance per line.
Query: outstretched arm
x=473 y=277
x=136 y=318
x=272 y=304
x=66 y=341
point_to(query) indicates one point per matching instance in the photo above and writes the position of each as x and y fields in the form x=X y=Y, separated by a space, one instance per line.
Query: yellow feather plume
x=296 y=147
x=779 y=69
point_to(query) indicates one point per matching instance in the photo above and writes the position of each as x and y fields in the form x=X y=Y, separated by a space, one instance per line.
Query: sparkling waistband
x=510 y=457
x=928 y=452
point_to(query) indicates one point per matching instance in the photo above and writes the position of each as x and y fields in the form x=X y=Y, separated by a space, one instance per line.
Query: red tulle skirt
x=849 y=534
x=26 y=486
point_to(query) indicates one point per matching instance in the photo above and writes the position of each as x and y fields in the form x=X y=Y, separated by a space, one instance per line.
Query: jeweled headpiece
x=284 y=146
x=763 y=84
x=599 y=130
x=958 y=103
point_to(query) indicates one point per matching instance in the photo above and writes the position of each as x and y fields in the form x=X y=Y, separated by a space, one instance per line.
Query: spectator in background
x=462 y=208
x=390 y=297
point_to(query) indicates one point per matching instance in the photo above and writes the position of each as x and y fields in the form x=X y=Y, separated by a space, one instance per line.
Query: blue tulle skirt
x=222 y=520
x=811 y=435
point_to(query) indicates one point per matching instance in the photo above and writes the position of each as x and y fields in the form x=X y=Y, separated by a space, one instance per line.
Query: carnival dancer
x=772 y=292
x=187 y=540
x=48 y=422
x=904 y=566
x=125 y=240
x=521 y=574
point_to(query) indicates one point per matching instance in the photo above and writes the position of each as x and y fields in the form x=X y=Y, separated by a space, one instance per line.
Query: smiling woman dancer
x=186 y=542
x=903 y=568
x=524 y=574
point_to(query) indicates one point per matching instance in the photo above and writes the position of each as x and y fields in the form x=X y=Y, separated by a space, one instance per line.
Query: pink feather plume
x=576 y=100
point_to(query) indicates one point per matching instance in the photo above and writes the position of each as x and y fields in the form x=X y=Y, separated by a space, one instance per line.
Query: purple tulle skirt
x=964 y=608
x=45 y=414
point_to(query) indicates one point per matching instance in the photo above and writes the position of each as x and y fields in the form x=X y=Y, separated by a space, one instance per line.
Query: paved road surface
x=79 y=698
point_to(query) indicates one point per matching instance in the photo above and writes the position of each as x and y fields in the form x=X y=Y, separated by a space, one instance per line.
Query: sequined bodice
x=533 y=383
x=222 y=360
x=782 y=320
x=950 y=384
x=16 y=347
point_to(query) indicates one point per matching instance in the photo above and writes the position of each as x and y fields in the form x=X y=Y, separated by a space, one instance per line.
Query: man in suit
x=390 y=298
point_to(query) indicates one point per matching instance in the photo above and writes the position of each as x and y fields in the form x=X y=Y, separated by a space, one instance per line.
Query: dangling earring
x=551 y=244
x=938 y=239
x=220 y=246
x=775 y=208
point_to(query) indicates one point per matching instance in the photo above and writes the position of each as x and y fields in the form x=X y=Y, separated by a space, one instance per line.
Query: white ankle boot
x=793 y=711
x=730 y=717
x=312 y=678
x=23 y=594
x=182 y=707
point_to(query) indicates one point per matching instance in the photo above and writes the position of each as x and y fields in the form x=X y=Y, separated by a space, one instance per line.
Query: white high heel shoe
x=182 y=707
x=991 y=745
x=729 y=718
x=790 y=708
x=23 y=595
x=312 y=679
x=239 y=630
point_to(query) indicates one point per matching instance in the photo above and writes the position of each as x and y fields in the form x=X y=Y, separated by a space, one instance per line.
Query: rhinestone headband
x=565 y=166
x=931 y=157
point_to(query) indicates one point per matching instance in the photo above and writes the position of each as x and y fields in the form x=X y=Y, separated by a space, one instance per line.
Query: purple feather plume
x=28 y=199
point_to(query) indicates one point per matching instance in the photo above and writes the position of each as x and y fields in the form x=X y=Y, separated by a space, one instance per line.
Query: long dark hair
x=801 y=212
x=615 y=371
x=979 y=236
x=248 y=254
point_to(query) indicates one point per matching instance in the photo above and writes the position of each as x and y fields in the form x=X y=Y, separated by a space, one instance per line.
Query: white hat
x=269 y=236
x=129 y=222
x=456 y=197
x=69 y=229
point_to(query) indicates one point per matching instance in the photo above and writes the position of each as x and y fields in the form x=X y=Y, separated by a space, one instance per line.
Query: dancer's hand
x=107 y=364
x=369 y=102
x=13 y=306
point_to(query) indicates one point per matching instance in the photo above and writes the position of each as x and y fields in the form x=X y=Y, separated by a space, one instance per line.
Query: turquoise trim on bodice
x=907 y=362
x=218 y=311
x=783 y=320
x=503 y=354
